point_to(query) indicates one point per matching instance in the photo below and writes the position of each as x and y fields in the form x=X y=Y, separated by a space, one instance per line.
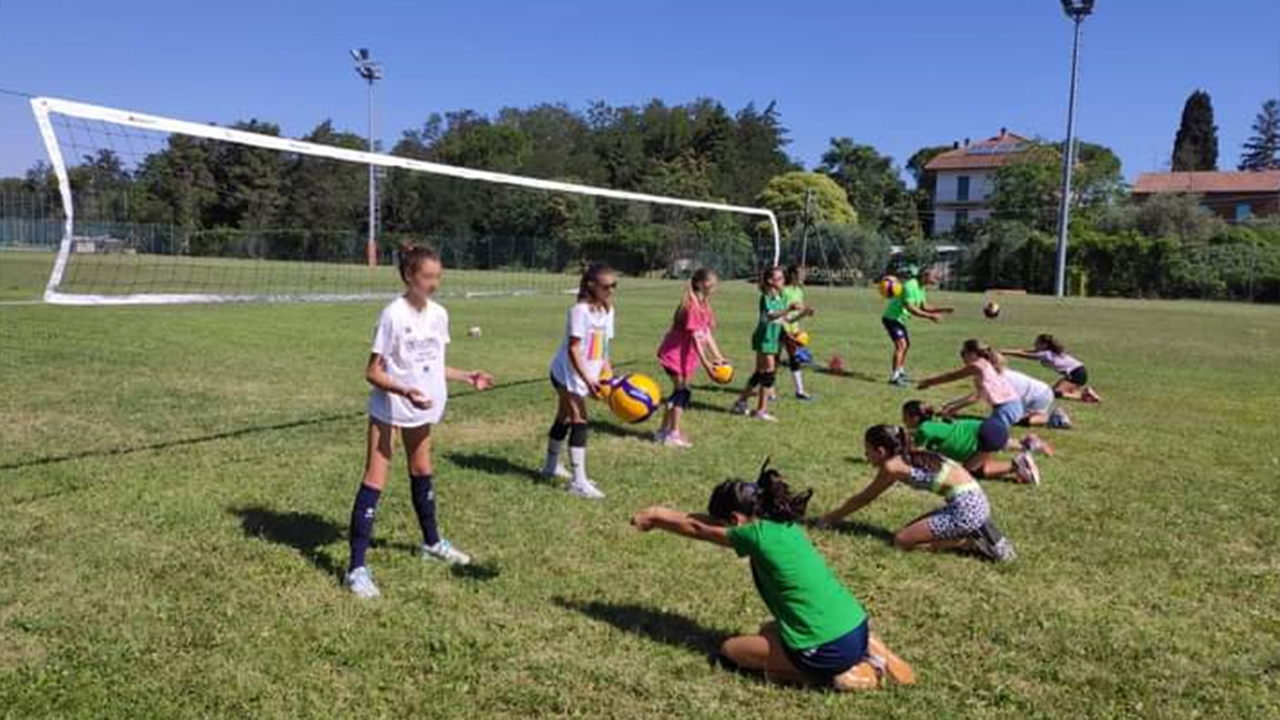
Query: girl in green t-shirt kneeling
x=819 y=633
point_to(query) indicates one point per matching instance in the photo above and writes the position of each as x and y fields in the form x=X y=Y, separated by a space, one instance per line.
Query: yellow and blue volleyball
x=801 y=338
x=606 y=382
x=890 y=287
x=634 y=398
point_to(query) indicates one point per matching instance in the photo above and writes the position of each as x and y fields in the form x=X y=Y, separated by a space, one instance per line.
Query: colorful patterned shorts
x=963 y=514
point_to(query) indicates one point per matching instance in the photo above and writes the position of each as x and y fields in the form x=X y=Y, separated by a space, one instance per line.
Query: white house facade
x=964 y=179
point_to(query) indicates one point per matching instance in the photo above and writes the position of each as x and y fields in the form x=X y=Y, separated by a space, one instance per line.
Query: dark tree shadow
x=855 y=527
x=855 y=460
x=306 y=533
x=494 y=465
x=657 y=625
x=622 y=431
x=479 y=572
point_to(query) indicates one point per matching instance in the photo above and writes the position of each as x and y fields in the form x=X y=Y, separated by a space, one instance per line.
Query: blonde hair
x=974 y=346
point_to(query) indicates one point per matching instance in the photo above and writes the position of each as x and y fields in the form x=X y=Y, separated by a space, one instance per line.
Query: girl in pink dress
x=688 y=345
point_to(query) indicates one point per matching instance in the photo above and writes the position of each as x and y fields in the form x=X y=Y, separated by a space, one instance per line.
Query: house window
x=962 y=217
x=1243 y=211
x=962 y=188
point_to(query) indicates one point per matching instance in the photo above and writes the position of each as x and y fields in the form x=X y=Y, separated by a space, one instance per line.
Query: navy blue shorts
x=824 y=662
x=993 y=434
x=897 y=331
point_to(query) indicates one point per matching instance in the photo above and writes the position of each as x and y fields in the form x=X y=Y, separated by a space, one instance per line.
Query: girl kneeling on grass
x=820 y=633
x=1073 y=378
x=963 y=523
x=408 y=373
x=958 y=439
x=688 y=345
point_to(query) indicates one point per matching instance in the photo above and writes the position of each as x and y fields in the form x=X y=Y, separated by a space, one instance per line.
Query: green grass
x=175 y=484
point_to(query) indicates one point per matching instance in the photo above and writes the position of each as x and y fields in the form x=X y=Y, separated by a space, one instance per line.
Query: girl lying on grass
x=1073 y=377
x=963 y=523
x=820 y=634
x=958 y=439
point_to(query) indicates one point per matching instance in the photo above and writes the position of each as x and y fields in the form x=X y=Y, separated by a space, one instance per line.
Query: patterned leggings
x=963 y=514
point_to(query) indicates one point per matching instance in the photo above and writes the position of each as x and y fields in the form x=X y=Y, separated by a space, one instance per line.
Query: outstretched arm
x=680 y=523
x=1024 y=354
x=954 y=406
x=877 y=487
x=923 y=312
x=477 y=379
x=957 y=374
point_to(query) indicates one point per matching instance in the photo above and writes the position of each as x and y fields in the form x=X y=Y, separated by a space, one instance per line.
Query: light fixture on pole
x=371 y=72
x=1077 y=10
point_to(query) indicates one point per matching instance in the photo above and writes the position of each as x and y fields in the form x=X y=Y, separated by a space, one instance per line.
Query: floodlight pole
x=371 y=72
x=1077 y=10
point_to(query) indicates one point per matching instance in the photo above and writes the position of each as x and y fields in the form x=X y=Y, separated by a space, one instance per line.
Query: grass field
x=175 y=484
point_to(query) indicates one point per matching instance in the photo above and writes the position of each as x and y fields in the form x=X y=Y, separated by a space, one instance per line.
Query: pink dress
x=678 y=352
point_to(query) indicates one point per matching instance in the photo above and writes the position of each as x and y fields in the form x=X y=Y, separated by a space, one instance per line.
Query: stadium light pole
x=371 y=72
x=1077 y=10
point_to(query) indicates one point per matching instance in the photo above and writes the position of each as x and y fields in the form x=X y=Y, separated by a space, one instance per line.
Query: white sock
x=553 y=456
x=578 y=463
x=798 y=377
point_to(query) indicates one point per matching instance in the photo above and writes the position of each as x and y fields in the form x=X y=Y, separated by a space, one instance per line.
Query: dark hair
x=792 y=274
x=973 y=346
x=1049 y=342
x=768 y=273
x=591 y=277
x=897 y=441
x=769 y=498
x=412 y=256
x=917 y=410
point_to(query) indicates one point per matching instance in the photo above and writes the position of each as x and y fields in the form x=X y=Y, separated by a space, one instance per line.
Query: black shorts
x=993 y=434
x=897 y=331
x=824 y=662
x=1079 y=376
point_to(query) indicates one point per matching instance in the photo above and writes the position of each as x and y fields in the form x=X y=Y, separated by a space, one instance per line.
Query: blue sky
x=898 y=74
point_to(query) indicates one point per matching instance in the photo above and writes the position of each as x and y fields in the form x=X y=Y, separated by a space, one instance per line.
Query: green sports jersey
x=791 y=294
x=957 y=439
x=912 y=294
x=811 y=606
x=768 y=335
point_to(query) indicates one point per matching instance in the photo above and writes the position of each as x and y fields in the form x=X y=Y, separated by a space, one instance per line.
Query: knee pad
x=681 y=398
x=559 y=431
x=757 y=378
x=577 y=436
x=795 y=364
x=767 y=379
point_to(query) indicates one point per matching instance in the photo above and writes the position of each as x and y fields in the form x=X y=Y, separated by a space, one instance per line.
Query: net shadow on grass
x=306 y=533
x=661 y=626
x=494 y=465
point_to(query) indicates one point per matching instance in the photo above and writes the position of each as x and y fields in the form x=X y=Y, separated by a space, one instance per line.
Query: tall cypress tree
x=1196 y=145
x=1262 y=151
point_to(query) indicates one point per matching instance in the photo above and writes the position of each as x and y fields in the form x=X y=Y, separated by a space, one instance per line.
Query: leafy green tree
x=786 y=195
x=1262 y=150
x=868 y=178
x=1027 y=189
x=1196 y=145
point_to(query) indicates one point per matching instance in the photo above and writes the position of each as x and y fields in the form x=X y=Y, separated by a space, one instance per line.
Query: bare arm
x=882 y=482
x=954 y=375
x=1024 y=354
x=478 y=379
x=953 y=407
x=922 y=312
x=376 y=375
x=680 y=523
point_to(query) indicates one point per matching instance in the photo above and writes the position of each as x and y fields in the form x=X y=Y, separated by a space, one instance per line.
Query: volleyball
x=991 y=310
x=634 y=398
x=801 y=338
x=890 y=287
x=606 y=382
x=721 y=374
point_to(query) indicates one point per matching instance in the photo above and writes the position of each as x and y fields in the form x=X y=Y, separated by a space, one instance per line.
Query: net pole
x=51 y=146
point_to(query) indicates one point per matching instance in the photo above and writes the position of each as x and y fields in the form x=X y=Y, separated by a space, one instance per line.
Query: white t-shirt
x=412 y=345
x=595 y=329
x=1036 y=395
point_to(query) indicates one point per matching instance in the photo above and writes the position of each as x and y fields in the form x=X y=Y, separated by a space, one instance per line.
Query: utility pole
x=1077 y=10
x=371 y=72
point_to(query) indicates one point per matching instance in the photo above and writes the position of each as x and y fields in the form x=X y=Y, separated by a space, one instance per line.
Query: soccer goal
x=158 y=210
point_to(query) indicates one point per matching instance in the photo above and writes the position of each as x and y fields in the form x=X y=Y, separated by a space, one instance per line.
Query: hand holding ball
x=634 y=398
x=721 y=374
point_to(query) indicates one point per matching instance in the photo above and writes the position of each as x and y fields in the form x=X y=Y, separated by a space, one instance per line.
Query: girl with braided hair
x=820 y=633
x=963 y=523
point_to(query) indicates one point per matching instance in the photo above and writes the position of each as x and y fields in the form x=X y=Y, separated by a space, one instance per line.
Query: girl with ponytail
x=820 y=634
x=963 y=523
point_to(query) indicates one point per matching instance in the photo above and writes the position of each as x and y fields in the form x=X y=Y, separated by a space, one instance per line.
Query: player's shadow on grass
x=850 y=374
x=699 y=405
x=621 y=431
x=855 y=527
x=306 y=533
x=657 y=625
x=494 y=465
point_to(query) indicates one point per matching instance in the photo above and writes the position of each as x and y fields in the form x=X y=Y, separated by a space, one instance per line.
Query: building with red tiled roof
x=964 y=178
x=1233 y=196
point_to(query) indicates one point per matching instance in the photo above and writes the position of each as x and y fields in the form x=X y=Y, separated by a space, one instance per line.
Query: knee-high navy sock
x=361 y=531
x=424 y=503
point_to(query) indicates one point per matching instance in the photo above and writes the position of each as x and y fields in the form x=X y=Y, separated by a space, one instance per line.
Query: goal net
x=157 y=210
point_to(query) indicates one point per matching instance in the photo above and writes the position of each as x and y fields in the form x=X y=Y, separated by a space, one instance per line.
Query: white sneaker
x=360 y=583
x=660 y=437
x=559 y=471
x=676 y=440
x=584 y=488
x=763 y=415
x=1025 y=465
x=445 y=552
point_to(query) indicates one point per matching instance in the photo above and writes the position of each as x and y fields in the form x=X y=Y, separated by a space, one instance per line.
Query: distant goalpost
x=135 y=189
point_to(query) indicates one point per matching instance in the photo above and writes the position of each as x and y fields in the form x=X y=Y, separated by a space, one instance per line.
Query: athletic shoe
x=445 y=552
x=900 y=381
x=676 y=440
x=1091 y=396
x=1033 y=444
x=1059 y=419
x=763 y=415
x=740 y=408
x=584 y=489
x=360 y=583
x=660 y=437
x=992 y=544
x=559 y=471
x=804 y=396
x=1025 y=465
